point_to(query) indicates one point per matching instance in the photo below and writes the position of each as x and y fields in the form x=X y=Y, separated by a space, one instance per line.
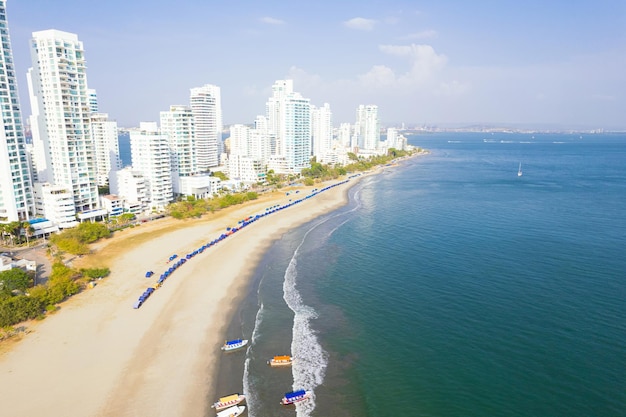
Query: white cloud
x=360 y=23
x=272 y=21
x=379 y=75
x=424 y=62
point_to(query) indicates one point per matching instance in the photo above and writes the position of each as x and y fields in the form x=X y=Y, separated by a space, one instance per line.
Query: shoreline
x=114 y=360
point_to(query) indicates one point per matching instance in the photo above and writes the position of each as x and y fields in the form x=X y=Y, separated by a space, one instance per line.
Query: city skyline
x=557 y=63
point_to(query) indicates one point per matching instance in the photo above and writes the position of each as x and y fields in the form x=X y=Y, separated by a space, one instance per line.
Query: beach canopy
x=228 y=398
x=294 y=394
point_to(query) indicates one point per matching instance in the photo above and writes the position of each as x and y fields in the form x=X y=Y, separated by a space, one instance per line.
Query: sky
x=536 y=63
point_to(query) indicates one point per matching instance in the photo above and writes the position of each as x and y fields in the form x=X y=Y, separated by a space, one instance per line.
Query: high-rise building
x=104 y=133
x=64 y=149
x=322 y=127
x=206 y=106
x=178 y=125
x=289 y=116
x=16 y=192
x=150 y=155
x=367 y=127
x=274 y=110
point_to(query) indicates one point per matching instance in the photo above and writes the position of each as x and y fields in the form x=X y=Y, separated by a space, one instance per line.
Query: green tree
x=95 y=272
x=90 y=232
x=220 y=175
x=28 y=231
x=19 y=308
x=14 y=279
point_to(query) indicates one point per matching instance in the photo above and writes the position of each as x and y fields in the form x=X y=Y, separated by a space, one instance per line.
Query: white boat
x=228 y=401
x=234 y=344
x=295 y=397
x=519 y=170
x=233 y=411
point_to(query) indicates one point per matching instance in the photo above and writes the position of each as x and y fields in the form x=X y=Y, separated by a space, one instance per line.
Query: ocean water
x=449 y=286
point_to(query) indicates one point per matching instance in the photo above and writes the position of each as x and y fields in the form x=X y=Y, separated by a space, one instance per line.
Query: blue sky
x=535 y=63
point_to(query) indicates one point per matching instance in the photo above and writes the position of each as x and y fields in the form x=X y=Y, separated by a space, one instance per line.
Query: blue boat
x=295 y=396
x=234 y=344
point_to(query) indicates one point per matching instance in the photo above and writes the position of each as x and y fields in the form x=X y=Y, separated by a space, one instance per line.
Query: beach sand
x=97 y=356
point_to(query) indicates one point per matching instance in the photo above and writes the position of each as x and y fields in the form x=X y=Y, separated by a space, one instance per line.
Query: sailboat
x=519 y=170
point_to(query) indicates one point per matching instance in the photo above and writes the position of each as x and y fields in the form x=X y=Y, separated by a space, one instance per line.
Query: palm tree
x=4 y=231
x=28 y=230
x=12 y=230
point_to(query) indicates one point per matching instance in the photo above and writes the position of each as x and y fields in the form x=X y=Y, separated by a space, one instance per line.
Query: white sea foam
x=251 y=396
x=310 y=362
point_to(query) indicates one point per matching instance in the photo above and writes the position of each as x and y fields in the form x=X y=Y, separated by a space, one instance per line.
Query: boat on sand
x=228 y=401
x=233 y=411
x=234 y=344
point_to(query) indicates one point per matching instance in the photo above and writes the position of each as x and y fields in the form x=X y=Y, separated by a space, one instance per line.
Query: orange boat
x=284 y=360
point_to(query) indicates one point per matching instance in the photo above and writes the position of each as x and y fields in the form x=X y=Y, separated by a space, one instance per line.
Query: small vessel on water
x=228 y=401
x=284 y=360
x=519 y=170
x=295 y=396
x=234 y=344
x=233 y=411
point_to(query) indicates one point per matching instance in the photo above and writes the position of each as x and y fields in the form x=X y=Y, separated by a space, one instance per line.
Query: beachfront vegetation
x=75 y=241
x=321 y=172
x=16 y=233
x=192 y=207
x=14 y=280
x=20 y=301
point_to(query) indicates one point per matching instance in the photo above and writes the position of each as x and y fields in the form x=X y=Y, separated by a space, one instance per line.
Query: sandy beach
x=97 y=356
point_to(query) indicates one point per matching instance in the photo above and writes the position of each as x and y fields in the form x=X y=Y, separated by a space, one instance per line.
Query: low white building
x=200 y=185
x=130 y=185
x=7 y=263
x=43 y=227
x=245 y=169
x=279 y=165
x=55 y=203
x=113 y=204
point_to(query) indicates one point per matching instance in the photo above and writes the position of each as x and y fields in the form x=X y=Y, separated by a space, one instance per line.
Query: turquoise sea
x=449 y=286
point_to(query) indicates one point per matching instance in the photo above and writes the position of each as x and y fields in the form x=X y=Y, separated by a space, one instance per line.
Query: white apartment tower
x=150 y=155
x=206 y=106
x=16 y=193
x=274 y=110
x=322 y=126
x=178 y=124
x=239 y=140
x=104 y=134
x=367 y=127
x=289 y=116
x=296 y=133
x=64 y=148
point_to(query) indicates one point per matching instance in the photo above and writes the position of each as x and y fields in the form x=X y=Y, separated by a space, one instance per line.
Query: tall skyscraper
x=206 y=106
x=104 y=133
x=150 y=155
x=178 y=125
x=367 y=127
x=322 y=127
x=16 y=193
x=60 y=121
x=289 y=116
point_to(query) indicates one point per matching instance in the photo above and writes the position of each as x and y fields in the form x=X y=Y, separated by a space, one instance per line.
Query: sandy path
x=100 y=357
